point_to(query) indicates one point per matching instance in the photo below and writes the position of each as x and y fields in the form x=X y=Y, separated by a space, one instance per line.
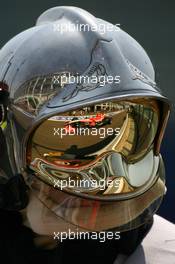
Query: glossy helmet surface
x=31 y=65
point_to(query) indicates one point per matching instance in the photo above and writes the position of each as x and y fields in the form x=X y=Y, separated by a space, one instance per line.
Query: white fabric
x=158 y=247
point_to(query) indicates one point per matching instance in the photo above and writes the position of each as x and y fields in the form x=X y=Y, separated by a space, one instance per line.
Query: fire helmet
x=83 y=121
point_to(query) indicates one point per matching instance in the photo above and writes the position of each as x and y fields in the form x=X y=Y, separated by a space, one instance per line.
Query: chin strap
x=13 y=193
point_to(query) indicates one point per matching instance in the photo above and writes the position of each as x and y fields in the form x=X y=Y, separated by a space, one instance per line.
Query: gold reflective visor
x=92 y=146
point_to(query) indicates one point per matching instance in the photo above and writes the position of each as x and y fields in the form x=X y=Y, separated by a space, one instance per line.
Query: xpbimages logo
x=85 y=80
x=102 y=184
x=71 y=131
x=101 y=236
x=80 y=27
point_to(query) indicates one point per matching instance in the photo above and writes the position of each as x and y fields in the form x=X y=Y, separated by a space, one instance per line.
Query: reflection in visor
x=94 y=144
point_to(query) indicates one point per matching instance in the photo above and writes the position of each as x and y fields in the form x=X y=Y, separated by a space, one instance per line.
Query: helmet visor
x=102 y=149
